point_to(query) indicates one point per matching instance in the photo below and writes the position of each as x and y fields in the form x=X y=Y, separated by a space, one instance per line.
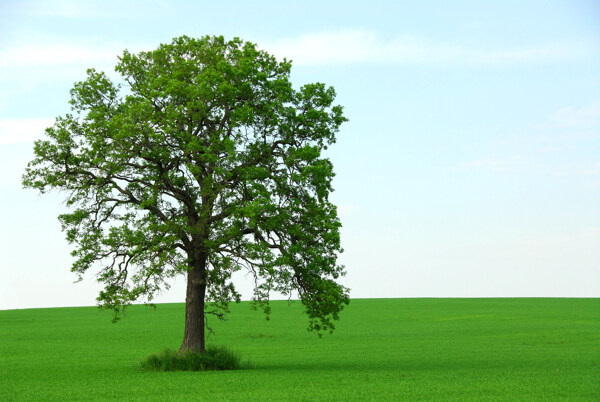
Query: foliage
x=203 y=160
x=215 y=358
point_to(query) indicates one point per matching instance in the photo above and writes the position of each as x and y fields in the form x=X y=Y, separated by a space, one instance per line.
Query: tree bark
x=194 y=338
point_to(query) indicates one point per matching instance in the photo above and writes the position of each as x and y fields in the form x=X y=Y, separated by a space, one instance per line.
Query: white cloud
x=547 y=148
x=346 y=47
x=38 y=55
x=573 y=117
x=76 y=9
x=496 y=164
x=580 y=169
x=552 y=245
x=347 y=209
x=329 y=48
x=532 y=163
x=15 y=131
x=60 y=8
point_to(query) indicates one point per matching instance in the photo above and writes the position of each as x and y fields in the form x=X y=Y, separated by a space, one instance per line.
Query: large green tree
x=203 y=160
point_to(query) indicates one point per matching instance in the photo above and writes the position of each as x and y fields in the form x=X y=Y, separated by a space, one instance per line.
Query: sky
x=470 y=165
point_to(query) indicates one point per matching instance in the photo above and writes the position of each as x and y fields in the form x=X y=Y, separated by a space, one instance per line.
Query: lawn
x=383 y=349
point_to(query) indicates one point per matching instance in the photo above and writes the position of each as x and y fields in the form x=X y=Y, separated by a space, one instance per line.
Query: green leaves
x=204 y=149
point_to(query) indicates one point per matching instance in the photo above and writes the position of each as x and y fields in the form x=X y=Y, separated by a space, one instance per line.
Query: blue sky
x=470 y=166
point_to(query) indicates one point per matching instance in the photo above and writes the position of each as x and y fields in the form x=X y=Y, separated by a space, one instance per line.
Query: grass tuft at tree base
x=215 y=358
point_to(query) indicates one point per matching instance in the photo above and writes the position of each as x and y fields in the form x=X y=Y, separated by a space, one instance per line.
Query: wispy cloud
x=74 y=9
x=37 y=55
x=496 y=164
x=580 y=169
x=14 y=131
x=347 y=209
x=574 y=117
x=347 y=47
x=60 y=8
x=538 y=163
x=329 y=48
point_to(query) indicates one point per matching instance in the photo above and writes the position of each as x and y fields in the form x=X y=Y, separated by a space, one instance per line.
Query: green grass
x=383 y=349
x=214 y=358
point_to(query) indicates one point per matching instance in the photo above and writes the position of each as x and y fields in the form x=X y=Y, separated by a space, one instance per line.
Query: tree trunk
x=193 y=338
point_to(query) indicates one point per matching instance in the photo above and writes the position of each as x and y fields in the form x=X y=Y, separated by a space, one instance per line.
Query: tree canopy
x=201 y=161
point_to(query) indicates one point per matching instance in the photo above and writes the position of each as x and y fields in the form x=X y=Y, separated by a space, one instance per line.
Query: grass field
x=383 y=349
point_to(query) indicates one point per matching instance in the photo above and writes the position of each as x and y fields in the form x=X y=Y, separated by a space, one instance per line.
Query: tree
x=202 y=161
